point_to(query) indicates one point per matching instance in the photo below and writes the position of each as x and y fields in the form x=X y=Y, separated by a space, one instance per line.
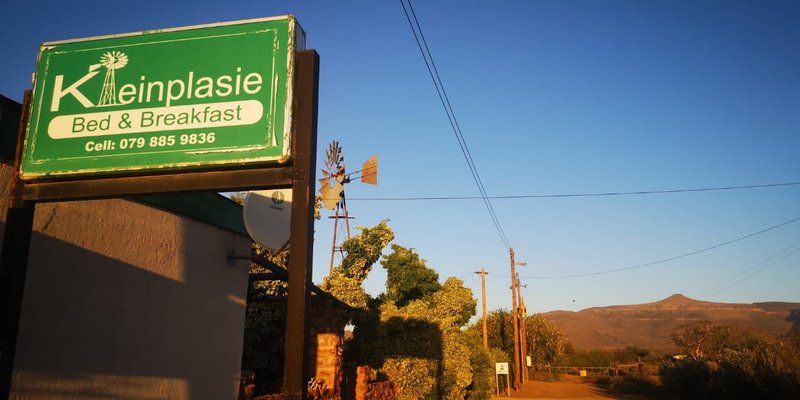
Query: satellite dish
x=268 y=217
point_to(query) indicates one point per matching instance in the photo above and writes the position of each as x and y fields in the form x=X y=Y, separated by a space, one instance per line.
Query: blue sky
x=552 y=97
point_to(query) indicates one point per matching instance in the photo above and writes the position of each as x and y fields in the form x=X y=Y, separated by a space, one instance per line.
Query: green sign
x=174 y=99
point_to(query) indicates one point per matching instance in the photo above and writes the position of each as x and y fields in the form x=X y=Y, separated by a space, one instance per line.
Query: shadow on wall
x=97 y=327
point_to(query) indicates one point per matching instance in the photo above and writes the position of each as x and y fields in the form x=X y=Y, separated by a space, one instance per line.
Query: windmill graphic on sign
x=113 y=60
x=332 y=184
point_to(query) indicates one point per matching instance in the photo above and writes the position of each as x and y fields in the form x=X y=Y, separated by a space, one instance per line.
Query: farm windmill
x=113 y=60
x=332 y=184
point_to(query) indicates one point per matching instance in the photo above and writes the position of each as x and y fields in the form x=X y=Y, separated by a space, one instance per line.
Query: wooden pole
x=296 y=368
x=523 y=336
x=483 y=273
x=515 y=321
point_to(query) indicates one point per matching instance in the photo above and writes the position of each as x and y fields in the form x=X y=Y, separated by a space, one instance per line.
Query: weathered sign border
x=296 y=42
x=298 y=174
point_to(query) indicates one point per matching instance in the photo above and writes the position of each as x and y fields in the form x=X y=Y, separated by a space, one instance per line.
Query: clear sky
x=552 y=97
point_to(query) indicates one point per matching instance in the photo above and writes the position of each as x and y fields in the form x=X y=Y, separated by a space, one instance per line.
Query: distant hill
x=650 y=325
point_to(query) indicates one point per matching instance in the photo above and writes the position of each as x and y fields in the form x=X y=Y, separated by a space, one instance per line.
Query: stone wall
x=327 y=334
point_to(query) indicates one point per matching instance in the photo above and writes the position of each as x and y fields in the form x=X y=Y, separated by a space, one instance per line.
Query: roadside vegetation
x=416 y=334
x=711 y=362
x=411 y=334
x=725 y=362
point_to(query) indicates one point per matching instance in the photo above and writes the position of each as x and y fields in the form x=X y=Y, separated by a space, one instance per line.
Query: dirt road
x=570 y=387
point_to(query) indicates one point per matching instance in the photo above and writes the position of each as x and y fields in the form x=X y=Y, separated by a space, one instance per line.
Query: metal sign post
x=295 y=169
x=295 y=368
x=502 y=369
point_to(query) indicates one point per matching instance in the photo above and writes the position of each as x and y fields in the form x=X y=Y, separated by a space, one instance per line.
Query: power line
x=752 y=271
x=663 y=260
x=430 y=64
x=589 y=194
x=715 y=290
x=452 y=118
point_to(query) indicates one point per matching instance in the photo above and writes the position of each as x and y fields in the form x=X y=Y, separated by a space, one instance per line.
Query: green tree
x=430 y=328
x=701 y=340
x=419 y=345
x=411 y=334
x=480 y=360
x=361 y=252
x=732 y=363
x=499 y=328
x=638 y=352
x=545 y=341
x=455 y=302
x=265 y=323
x=408 y=276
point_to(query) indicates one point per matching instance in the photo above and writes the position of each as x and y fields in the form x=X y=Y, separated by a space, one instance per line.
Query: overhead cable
x=664 y=260
x=755 y=269
x=587 y=194
x=430 y=64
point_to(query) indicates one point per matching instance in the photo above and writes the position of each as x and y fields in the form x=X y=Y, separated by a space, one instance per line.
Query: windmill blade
x=329 y=198
x=369 y=171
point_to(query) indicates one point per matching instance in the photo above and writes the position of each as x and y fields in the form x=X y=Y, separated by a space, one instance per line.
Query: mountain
x=650 y=325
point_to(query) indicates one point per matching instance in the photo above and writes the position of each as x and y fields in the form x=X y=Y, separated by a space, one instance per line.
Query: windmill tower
x=113 y=60
x=334 y=178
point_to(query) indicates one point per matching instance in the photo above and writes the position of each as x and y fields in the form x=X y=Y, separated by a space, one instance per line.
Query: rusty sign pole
x=295 y=368
x=14 y=262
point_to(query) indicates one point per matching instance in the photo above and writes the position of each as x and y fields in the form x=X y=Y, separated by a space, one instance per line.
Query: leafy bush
x=546 y=342
x=592 y=358
x=482 y=385
x=428 y=329
x=415 y=377
x=411 y=334
x=630 y=384
x=500 y=356
x=688 y=378
x=362 y=251
x=744 y=366
x=457 y=374
x=408 y=277
x=758 y=369
x=604 y=358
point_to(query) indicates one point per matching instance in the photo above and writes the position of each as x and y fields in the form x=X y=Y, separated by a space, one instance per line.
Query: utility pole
x=515 y=320
x=483 y=273
x=523 y=315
